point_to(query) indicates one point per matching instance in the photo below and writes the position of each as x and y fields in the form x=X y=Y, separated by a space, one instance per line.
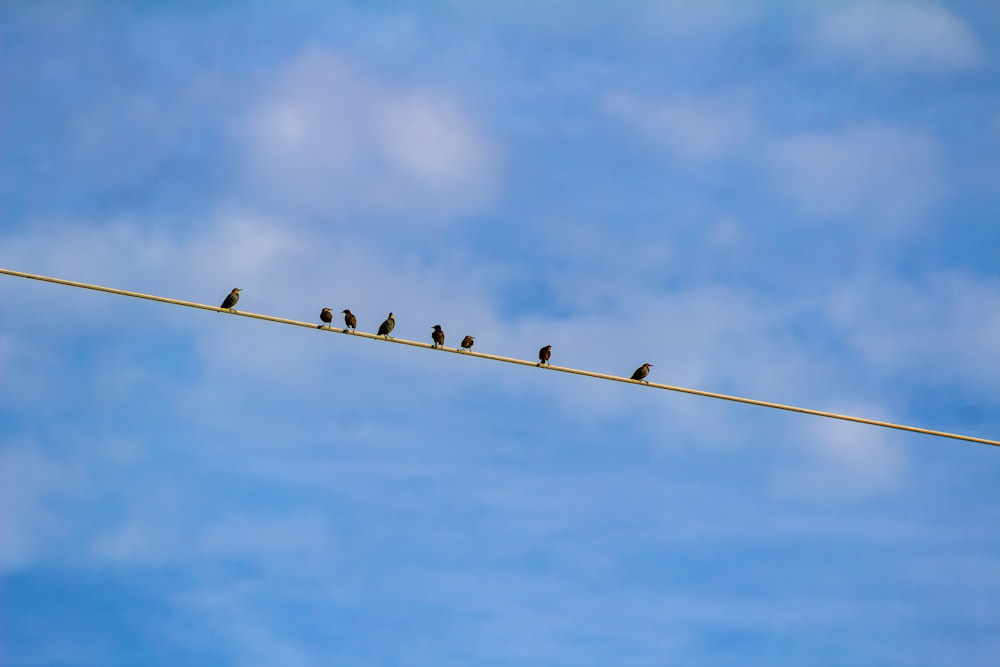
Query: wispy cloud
x=942 y=329
x=326 y=135
x=920 y=37
x=32 y=485
x=690 y=127
x=702 y=20
x=841 y=460
x=880 y=175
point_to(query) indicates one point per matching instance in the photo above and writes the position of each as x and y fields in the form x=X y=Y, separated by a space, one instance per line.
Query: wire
x=509 y=360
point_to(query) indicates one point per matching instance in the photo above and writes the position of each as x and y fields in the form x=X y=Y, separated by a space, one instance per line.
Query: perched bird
x=231 y=300
x=386 y=327
x=351 y=321
x=641 y=373
x=467 y=342
x=327 y=316
x=544 y=354
x=437 y=336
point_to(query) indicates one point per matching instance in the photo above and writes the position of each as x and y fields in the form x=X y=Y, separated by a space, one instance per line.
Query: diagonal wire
x=510 y=360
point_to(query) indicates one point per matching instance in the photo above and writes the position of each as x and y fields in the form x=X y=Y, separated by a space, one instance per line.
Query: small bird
x=544 y=354
x=467 y=342
x=437 y=336
x=386 y=327
x=231 y=300
x=352 y=321
x=327 y=316
x=641 y=373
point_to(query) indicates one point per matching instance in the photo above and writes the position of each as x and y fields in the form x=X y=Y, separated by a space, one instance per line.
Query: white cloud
x=677 y=18
x=943 y=328
x=886 y=176
x=895 y=36
x=29 y=482
x=241 y=621
x=642 y=19
x=843 y=459
x=231 y=250
x=326 y=135
x=691 y=127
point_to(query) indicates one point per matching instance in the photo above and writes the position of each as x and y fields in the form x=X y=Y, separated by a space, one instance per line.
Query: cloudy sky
x=793 y=201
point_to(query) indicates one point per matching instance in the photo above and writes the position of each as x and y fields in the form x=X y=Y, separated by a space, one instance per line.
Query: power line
x=510 y=360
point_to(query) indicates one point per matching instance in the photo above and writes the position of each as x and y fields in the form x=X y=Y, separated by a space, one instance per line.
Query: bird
x=351 y=320
x=437 y=336
x=327 y=316
x=231 y=299
x=467 y=342
x=641 y=373
x=544 y=354
x=386 y=327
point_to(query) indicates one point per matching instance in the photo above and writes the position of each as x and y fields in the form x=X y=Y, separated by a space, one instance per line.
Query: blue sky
x=794 y=201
